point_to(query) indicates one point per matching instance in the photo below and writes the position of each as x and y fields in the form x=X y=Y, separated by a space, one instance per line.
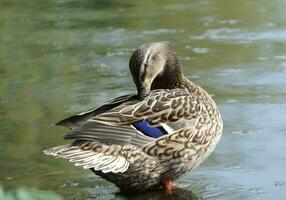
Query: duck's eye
x=145 y=65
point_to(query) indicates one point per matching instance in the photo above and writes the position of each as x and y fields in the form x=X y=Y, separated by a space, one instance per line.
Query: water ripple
x=234 y=35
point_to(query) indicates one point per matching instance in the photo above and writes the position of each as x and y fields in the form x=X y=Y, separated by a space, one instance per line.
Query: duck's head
x=155 y=66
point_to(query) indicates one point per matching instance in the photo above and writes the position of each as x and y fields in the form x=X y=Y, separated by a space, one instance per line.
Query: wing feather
x=161 y=106
x=107 y=158
x=81 y=118
x=114 y=126
x=108 y=134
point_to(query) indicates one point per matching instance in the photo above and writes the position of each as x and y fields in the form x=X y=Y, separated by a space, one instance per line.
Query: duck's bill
x=143 y=92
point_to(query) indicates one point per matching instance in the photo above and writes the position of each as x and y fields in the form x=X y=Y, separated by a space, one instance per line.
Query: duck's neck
x=172 y=76
x=172 y=81
x=167 y=83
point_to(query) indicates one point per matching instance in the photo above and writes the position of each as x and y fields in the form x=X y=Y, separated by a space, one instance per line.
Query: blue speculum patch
x=146 y=128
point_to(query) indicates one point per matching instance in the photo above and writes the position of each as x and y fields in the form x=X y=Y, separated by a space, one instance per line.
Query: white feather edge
x=167 y=128
x=89 y=159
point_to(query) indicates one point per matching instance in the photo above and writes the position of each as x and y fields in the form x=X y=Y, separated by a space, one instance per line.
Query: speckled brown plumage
x=107 y=142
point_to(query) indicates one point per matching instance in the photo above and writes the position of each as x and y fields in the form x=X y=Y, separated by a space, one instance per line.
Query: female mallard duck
x=149 y=139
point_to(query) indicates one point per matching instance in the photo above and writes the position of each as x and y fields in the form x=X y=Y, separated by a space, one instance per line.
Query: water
x=61 y=57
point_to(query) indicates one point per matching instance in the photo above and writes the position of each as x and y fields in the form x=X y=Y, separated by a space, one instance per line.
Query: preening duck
x=149 y=139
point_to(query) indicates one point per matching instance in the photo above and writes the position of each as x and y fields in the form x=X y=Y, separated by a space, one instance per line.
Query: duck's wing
x=161 y=106
x=81 y=118
x=81 y=129
x=140 y=122
x=107 y=141
x=109 y=134
x=92 y=154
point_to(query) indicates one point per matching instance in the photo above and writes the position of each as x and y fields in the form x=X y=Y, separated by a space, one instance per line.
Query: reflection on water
x=60 y=57
x=161 y=195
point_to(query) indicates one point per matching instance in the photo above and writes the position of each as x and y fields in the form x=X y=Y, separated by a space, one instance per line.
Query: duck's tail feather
x=88 y=158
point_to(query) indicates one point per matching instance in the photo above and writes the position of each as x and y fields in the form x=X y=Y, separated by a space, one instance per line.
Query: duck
x=149 y=139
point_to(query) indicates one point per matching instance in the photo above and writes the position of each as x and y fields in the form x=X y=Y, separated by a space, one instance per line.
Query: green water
x=59 y=57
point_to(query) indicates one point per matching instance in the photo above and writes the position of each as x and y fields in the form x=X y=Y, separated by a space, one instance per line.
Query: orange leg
x=168 y=184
